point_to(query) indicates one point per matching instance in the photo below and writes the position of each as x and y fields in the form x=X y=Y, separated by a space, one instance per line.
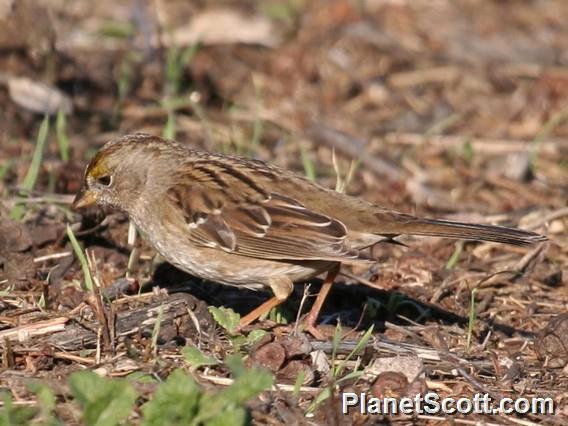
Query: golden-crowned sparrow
x=246 y=223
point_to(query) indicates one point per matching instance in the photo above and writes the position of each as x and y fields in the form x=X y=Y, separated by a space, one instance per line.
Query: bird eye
x=105 y=180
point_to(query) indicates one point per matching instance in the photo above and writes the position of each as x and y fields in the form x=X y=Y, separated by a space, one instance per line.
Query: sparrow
x=246 y=223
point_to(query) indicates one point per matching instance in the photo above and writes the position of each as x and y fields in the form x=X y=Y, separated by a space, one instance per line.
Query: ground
x=452 y=109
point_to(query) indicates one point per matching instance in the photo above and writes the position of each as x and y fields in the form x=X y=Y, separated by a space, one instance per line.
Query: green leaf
x=467 y=150
x=117 y=29
x=11 y=415
x=226 y=318
x=298 y=383
x=236 y=365
x=181 y=401
x=45 y=395
x=277 y=314
x=176 y=402
x=46 y=400
x=105 y=402
x=254 y=336
x=4 y=169
x=141 y=377
x=196 y=358
x=235 y=416
x=247 y=386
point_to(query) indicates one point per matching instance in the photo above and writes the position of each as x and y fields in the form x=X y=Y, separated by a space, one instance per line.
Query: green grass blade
x=334 y=345
x=309 y=167
x=61 y=132
x=82 y=259
x=4 y=169
x=199 y=111
x=455 y=257
x=548 y=127
x=472 y=318
x=298 y=383
x=30 y=179
x=33 y=172
x=358 y=348
x=322 y=396
x=258 y=125
x=169 y=131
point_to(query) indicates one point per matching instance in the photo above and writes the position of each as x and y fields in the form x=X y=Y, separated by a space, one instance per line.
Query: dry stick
x=74 y=358
x=517 y=270
x=39 y=328
x=98 y=305
x=452 y=420
x=56 y=273
x=440 y=311
x=75 y=312
x=556 y=214
x=99 y=346
x=197 y=326
x=21 y=403
x=45 y=293
x=128 y=322
x=283 y=387
x=353 y=147
x=41 y=198
x=487 y=146
x=112 y=327
x=76 y=228
x=476 y=384
x=305 y=296
x=528 y=258
x=447 y=283
x=354 y=330
x=430 y=306
x=441 y=74
x=8 y=359
x=52 y=256
x=514 y=187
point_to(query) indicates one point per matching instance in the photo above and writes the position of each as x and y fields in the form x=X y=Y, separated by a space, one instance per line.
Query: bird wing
x=224 y=207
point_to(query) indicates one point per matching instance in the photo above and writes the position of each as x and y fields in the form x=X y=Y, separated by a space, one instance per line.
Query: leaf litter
x=447 y=109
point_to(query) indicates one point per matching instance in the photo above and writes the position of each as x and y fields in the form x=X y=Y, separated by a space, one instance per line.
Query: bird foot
x=308 y=325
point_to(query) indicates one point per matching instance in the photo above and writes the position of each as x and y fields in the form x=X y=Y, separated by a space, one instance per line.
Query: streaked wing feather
x=215 y=229
x=254 y=222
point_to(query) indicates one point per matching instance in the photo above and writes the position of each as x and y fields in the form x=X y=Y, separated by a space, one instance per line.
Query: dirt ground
x=449 y=109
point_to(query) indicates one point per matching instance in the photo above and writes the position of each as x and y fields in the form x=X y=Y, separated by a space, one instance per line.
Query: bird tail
x=406 y=224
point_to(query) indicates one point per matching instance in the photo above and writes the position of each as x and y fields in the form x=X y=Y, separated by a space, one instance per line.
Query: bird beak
x=84 y=198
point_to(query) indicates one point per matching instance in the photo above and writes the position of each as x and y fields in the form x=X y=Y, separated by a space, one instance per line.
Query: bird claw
x=308 y=325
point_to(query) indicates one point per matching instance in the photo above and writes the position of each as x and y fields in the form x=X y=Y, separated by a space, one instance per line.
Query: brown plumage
x=247 y=223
